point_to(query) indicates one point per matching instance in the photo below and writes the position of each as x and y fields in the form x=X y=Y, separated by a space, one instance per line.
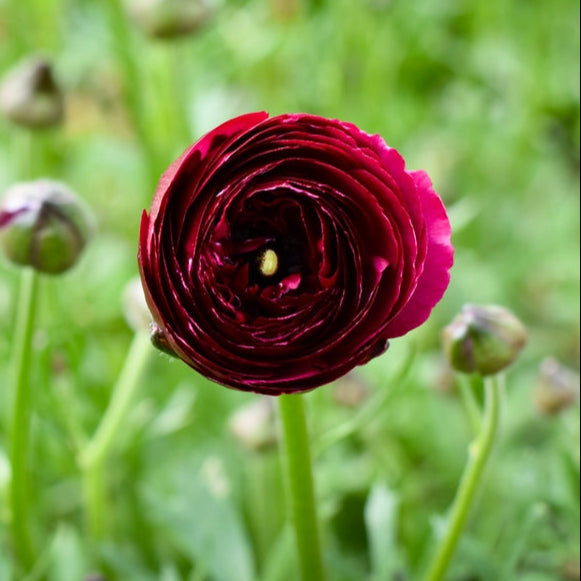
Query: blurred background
x=484 y=96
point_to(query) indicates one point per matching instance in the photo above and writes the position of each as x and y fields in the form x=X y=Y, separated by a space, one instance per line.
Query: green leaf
x=67 y=561
x=381 y=520
x=281 y=562
x=196 y=511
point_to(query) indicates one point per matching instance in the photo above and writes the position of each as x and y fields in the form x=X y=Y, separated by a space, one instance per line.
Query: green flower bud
x=557 y=387
x=30 y=96
x=135 y=307
x=483 y=339
x=169 y=18
x=45 y=225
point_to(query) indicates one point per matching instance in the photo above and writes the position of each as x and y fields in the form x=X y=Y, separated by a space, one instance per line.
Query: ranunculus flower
x=281 y=252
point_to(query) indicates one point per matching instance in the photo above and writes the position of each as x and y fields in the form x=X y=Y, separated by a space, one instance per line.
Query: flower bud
x=135 y=307
x=169 y=18
x=483 y=339
x=350 y=391
x=253 y=424
x=570 y=571
x=95 y=577
x=30 y=96
x=43 y=224
x=284 y=9
x=557 y=387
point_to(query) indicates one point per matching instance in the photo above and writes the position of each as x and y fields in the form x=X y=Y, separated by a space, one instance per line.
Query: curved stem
x=95 y=454
x=21 y=418
x=479 y=451
x=467 y=386
x=300 y=485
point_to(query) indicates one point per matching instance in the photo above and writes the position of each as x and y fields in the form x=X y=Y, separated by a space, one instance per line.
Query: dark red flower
x=281 y=252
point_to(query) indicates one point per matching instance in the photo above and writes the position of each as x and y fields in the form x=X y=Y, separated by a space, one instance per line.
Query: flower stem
x=300 y=485
x=98 y=448
x=21 y=418
x=479 y=451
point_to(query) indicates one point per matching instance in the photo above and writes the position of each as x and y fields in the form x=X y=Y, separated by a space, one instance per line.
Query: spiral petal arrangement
x=281 y=252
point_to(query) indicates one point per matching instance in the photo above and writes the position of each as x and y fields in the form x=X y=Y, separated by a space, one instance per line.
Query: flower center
x=268 y=262
x=272 y=262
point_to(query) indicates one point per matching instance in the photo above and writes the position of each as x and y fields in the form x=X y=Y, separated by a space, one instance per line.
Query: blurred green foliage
x=485 y=97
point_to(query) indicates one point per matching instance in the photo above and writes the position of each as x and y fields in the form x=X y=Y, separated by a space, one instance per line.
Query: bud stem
x=478 y=451
x=298 y=471
x=467 y=386
x=96 y=451
x=20 y=434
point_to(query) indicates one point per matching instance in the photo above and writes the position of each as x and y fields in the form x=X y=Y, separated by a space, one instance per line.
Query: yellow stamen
x=268 y=262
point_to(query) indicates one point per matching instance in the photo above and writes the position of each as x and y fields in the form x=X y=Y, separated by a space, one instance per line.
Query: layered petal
x=281 y=252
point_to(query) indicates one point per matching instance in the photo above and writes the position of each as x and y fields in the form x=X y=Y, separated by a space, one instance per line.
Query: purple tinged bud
x=557 y=387
x=30 y=96
x=169 y=18
x=43 y=224
x=483 y=339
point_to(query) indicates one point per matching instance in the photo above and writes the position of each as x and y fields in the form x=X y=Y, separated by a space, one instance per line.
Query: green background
x=482 y=95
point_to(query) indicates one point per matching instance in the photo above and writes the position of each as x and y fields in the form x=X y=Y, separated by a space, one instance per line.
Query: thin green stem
x=21 y=418
x=98 y=448
x=133 y=89
x=300 y=485
x=478 y=454
x=470 y=403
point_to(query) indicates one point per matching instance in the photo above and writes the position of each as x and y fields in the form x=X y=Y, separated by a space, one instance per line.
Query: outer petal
x=439 y=259
x=203 y=146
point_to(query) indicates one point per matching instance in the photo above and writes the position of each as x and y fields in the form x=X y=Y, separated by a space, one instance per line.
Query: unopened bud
x=30 y=96
x=350 y=391
x=253 y=425
x=284 y=9
x=44 y=225
x=169 y=18
x=557 y=387
x=571 y=570
x=135 y=307
x=483 y=339
x=95 y=577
